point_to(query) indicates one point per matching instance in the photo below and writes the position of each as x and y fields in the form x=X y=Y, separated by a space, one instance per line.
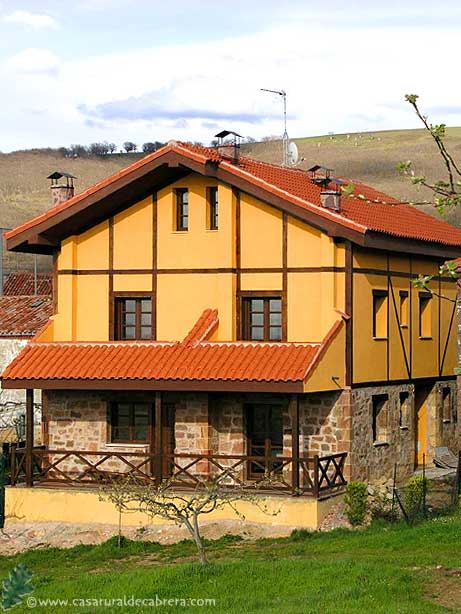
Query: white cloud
x=34 y=61
x=32 y=21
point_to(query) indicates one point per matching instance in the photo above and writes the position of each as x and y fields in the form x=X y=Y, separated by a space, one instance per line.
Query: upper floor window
x=133 y=318
x=212 y=198
x=380 y=314
x=262 y=318
x=182 y=209
x=404 y=308
x=425 y=315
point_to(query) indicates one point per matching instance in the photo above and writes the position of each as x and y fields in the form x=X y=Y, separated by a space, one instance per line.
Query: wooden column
x=29 y=436
x=294 y=415
x=158 y=434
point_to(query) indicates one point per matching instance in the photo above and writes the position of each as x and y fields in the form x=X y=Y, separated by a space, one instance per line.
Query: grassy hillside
x=368 y=157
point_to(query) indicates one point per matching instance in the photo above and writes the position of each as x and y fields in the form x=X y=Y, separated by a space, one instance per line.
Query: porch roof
x=194 y=363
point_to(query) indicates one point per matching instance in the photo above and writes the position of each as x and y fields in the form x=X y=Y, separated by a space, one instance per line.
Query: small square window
x=133 y=318
x=262 y=319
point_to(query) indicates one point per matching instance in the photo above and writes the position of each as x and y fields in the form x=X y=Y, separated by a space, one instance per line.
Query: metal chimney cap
x=60 y=174
x=224 y=133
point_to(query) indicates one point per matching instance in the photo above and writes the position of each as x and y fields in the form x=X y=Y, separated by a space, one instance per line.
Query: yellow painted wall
x=372 y=358
x=261 y=234
x=82 y=506
x=135 y=223
x=330 y=371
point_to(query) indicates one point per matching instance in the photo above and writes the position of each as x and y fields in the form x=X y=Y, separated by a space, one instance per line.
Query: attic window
x=37 y=303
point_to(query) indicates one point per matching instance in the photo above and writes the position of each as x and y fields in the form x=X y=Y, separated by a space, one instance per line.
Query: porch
x=283 y=444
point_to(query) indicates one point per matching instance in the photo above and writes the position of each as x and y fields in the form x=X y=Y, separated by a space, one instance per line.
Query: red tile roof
x=296 y=186
x=24 y=316
x=22 y=283
x=203 y=328
x=192 y=359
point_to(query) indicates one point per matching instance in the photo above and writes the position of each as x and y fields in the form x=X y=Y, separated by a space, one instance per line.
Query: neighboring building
x=214 y=311
x=26 y=283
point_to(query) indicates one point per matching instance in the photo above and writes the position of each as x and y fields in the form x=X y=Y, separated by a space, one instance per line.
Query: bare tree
x=129 y=146
x=129 y=495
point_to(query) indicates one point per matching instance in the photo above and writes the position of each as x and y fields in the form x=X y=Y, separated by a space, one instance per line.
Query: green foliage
x=414 y=500
x=299 y=535
x=348 y=190
x=16 y=586
x=355 y=501
x=383 y=510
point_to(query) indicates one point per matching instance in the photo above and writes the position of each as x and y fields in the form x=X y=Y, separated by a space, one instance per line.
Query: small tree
x=129 y=495
x=129 y=146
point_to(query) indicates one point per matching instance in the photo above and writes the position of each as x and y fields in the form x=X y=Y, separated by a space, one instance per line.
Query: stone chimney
x=62 y=187
x=331 y=199
x=229 y=149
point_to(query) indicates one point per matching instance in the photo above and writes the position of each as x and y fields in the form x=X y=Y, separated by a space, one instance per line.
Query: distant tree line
x=97 y=149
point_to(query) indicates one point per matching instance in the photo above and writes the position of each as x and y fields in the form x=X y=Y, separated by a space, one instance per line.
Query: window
x=265 y=437
x=446 y=404
x=262 y=319
x=404 y=305
x=133 y=318
x=425 y=315
x=182 y=209
x=380 y=418
x=380 y=314
x=405 y=409
x=129 y=422
x=212 y=194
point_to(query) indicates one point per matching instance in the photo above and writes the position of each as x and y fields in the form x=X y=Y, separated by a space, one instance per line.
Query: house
x=214 y=312
x=22 y=316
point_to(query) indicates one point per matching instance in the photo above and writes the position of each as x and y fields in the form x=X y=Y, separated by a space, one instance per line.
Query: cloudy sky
x=142 y=70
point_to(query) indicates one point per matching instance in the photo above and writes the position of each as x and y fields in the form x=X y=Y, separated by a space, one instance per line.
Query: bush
x=415 y=492
x=382 y=509
x=356 y=502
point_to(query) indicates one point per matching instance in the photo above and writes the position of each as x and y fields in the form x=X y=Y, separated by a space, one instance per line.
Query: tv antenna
x=283 y=94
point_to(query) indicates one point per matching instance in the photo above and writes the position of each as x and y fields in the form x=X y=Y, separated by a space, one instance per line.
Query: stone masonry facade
x=215 y=423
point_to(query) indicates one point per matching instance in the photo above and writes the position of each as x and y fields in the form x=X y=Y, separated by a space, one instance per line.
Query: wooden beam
x=158 y=433
x=29 y=436
x=294 y=415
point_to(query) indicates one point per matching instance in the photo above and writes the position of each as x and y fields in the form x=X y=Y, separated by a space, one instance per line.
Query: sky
x=155 y=70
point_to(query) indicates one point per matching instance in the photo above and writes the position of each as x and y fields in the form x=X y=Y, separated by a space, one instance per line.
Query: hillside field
x=367 y=157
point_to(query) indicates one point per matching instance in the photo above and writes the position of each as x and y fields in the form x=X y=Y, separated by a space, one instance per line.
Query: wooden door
x=421 y=417
x=161 y=438
x=265 y=437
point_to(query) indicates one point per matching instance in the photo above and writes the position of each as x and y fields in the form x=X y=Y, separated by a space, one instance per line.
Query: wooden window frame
x=379 y=403
x=181 y=224
x=380 y=295
x=112 y=422
x=213 y=208
x=447 y=404
x=404 y=308
x=425 y=302
x=248 y=412
x=119 y=298
x=246 y=317
x=404 y=410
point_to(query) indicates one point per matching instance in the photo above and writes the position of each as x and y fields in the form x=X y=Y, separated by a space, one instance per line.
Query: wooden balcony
x=316 y=476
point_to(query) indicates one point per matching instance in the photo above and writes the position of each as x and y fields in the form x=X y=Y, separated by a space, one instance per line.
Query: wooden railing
x=316 y=476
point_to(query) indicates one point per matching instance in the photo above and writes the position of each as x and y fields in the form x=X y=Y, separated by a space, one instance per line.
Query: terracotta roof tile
x=24 y=316
x=21 y=283
x=295 y=185
x=203 y=328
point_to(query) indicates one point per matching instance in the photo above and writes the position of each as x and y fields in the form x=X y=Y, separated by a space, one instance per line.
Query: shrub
x=382 y=509
x=355 y=501
x=415 y=492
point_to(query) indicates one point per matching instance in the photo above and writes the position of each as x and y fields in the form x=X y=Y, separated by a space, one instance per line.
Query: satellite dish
x=293 y=154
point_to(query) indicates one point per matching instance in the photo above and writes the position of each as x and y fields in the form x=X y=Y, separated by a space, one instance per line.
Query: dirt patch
x=444 y=589
x=20 y=536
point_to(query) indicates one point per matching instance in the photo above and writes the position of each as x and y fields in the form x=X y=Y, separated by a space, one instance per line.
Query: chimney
x=331 y=199
x=62 y=187
x=229 y=149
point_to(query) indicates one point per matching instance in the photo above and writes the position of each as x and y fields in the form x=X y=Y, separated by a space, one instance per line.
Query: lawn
x=387 y=568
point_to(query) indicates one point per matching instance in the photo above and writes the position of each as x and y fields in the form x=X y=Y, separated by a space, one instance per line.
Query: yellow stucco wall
x=375 y=359
x=83 y=506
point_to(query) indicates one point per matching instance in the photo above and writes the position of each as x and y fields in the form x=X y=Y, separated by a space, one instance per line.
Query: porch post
x=29 y=436
x=294 y=415
x=158 y=435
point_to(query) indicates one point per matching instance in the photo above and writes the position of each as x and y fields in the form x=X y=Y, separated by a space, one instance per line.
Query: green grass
x=388 y=569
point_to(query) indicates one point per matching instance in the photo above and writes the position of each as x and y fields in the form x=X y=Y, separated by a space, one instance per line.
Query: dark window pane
x=121 y=433
x=130 y=332
x=146 y=332
x=130 y=305
x=130 y=319
x=146 y=319
x=257 y=319
x=146 y=305
x=257 y=304
x=257 y=334
x=275 y=319
x=275 y=304
x=275 y=333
